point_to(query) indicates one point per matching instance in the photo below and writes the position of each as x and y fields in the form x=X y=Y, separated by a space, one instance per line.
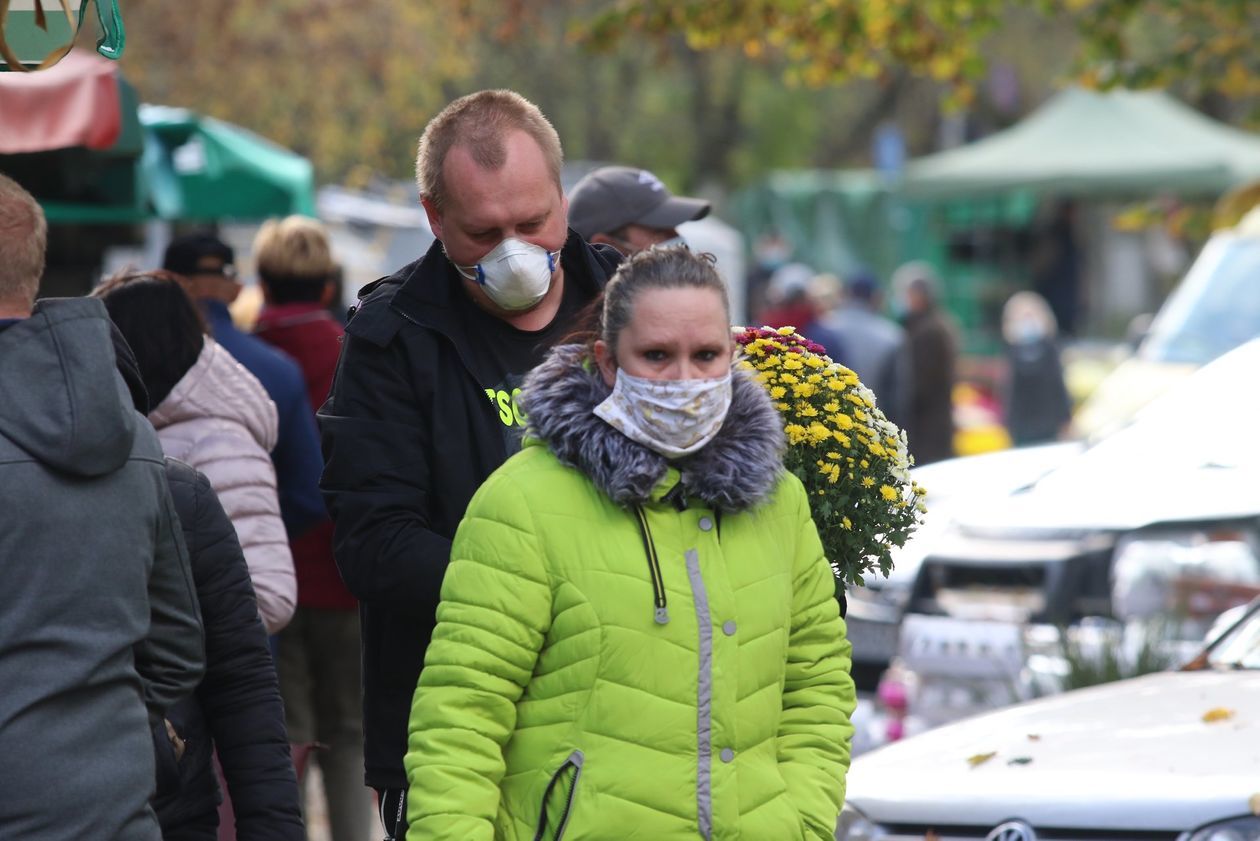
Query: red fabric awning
x=73 y=103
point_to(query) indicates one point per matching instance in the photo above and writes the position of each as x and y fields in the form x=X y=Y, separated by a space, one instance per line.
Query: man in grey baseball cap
x=629 y=209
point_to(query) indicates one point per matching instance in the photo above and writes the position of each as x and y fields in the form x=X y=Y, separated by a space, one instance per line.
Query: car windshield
x=1239 y=648
x=1215 y=309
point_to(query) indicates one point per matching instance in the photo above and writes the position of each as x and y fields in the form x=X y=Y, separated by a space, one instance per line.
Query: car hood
x=1116 y=492
x=1137 y=754
x=1142 y=475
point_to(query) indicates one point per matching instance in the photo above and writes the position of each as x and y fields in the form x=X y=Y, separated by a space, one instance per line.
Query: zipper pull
x=662 y=615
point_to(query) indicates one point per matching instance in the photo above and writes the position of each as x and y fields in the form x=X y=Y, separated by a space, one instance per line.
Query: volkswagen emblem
x=1012 y=831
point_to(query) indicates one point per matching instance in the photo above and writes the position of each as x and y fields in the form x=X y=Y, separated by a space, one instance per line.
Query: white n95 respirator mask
x=515 y=274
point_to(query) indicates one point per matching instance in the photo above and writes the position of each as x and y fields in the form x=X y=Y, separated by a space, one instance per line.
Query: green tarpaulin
x=200 y=168
x=1119 y=144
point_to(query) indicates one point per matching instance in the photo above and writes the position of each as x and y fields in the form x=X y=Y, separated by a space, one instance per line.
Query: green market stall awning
x=1097 y=144
x=198 y=168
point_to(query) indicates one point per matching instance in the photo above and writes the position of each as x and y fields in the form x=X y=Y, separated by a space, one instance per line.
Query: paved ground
x=317 y=811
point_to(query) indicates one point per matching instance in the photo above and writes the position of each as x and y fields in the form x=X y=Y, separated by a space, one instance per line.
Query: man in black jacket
x=424 y=404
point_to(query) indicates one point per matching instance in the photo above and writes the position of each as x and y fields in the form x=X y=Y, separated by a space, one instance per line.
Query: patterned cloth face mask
x=673 y=417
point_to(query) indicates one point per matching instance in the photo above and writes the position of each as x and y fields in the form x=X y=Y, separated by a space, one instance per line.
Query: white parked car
x=1160 y=517
x=1172 y=756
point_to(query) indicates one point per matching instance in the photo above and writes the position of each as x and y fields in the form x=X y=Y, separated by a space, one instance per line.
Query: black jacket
x=1037 y=402
x=408 y=436
x=237 y=707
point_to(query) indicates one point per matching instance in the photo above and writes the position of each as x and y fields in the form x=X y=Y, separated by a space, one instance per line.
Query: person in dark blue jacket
x=206 y=264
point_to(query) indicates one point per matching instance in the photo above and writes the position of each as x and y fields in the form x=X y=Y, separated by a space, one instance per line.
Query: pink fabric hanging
x=73 y=103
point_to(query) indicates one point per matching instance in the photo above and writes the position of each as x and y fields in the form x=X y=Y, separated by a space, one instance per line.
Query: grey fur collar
x=734 y=471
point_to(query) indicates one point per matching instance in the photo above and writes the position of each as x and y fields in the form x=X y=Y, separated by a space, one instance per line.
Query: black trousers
x=393 y=812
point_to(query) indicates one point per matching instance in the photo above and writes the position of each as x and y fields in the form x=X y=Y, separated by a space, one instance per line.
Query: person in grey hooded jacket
x=98 y=617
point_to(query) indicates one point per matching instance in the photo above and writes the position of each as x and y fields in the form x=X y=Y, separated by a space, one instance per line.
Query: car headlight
x=1147 y=565
x=853 y=826
x=1241 y=829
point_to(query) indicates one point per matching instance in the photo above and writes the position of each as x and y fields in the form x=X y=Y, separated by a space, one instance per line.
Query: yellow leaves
x=1217 y=715
x=1238 y=80
x=980 y=758
x=944 y=67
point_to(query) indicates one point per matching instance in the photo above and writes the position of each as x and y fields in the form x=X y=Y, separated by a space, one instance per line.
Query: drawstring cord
x=661 y=614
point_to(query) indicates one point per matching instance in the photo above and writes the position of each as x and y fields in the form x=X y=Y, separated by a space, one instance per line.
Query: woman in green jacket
x=638 y=636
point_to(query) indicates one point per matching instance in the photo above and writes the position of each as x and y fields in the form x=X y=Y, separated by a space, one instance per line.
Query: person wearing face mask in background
x=647 y=555
x=1037 y=405
x=630 y=209
x=425 y=401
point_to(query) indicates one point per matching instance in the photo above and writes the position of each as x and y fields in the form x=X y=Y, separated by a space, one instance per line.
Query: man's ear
x=435 y=219
x=606 y=361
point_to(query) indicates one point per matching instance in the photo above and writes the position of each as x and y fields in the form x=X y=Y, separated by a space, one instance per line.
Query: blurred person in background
x=932 y=340
x=206 y=266
x=1035 y=397
x=575 y=685
x=872 y=346
x=212 y=414
x=236 y=710
x=770 y=251
x=100 y=632
x=424 y=405
x=630 y=209
x=788 y=299
x=318 y=653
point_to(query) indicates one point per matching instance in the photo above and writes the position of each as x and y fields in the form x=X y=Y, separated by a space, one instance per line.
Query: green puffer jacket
x=627 y=651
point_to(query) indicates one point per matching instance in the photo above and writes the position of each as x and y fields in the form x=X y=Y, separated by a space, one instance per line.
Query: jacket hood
x=736 y=470
x=217 y=386
x=61 y=399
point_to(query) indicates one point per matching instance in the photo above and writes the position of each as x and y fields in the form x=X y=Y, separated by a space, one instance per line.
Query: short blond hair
x=23 y=242
x=479 y=122
x=293 y=248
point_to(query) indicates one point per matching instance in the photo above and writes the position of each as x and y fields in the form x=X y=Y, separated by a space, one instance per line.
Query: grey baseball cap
x=612 y=197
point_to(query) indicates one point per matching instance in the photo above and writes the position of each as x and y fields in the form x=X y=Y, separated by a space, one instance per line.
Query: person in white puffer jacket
x=213 y=415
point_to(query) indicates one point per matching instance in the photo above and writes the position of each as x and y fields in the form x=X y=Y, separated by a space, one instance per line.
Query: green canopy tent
x=1088 y=144
x=197 y=168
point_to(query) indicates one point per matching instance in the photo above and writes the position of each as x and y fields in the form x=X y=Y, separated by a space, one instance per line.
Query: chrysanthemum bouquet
x=852 y=460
